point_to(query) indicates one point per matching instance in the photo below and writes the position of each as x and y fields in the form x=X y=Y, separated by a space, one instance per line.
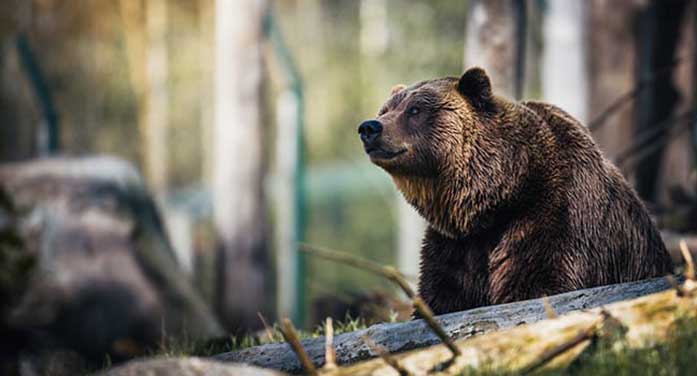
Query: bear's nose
x=369 y=130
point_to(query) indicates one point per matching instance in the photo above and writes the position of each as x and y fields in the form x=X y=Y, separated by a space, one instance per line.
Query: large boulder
x=96 y=273
x=15 y=270
x=187 y=367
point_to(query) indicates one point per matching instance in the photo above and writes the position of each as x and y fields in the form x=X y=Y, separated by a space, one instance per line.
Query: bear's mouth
x=377 y=153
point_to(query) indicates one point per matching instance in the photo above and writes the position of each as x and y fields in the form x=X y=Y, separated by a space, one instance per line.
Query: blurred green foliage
x=425 y=39
x=83 y=49
x=344 y=85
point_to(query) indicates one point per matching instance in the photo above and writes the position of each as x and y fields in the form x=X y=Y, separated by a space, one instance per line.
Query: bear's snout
x=369 y=130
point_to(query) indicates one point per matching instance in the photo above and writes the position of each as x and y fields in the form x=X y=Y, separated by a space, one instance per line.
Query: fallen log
x=639 y=323
x=399 y=337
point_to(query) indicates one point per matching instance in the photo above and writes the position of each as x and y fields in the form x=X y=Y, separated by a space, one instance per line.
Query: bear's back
x=612 y=229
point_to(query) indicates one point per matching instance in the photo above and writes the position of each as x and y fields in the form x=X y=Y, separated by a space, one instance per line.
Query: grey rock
x=187 y=367
x=105 y=280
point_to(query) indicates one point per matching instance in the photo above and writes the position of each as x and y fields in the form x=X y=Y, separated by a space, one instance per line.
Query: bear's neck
x=443 y=209
x=456 y=209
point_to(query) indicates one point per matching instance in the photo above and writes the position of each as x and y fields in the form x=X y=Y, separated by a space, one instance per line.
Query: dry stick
x=329 y=352
x=653 y=147
x=267 y=328
x=631 y=95
x=650 y=134
x=428 y=316
x=689 y=263
x=393 y=275
x=385 y=271
x=549 y=310
x=291 y=336
x=385 y=355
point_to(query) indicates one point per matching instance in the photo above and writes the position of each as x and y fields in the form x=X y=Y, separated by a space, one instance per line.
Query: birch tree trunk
x=564 y=77
x=238 y=163
x=491 y=43
x=145 y=27
x=157 y=100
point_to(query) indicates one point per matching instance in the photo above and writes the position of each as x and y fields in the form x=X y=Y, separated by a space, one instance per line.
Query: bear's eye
x=413 y=111
x=382 y=111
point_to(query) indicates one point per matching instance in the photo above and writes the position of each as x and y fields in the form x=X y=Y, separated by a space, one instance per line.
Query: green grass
x=175 y=347
x=675 y=357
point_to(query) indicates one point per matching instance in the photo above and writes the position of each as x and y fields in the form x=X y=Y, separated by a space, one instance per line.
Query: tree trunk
x=492 y=42
x=156 y=111
x=676 y=157
x=611 y=72
x=659 y=36
x=564 y=78
x=145 y=25
x=239 y=164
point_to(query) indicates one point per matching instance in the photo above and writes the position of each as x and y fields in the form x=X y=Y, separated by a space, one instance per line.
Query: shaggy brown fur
x=520 y=201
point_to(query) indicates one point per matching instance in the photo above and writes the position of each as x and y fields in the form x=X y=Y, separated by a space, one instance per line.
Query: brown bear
x=520 y=201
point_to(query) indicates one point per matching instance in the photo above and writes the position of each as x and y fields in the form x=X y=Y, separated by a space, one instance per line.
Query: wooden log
x=398 y=337
x=554 y=343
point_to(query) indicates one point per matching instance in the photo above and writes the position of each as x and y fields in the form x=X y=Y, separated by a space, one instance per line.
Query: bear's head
x=450 y=149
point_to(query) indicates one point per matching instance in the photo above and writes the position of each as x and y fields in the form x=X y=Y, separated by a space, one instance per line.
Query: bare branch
x=629 y=96
x=651 y=135
x=329 y=351
x=426 y=313
x=267 y=328
x=291 y=336
x=348 y=259
x=385 y=355
x=549 y=310
x=632 y=159
x=689 y=263
x=395 y=276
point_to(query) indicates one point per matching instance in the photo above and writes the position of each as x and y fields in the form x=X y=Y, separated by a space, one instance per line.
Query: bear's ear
x=397 y=88
x=475 y=86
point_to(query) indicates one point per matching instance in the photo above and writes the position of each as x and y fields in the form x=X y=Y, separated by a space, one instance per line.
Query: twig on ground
x=393 y=275
x=267 y=328
x=291 y=336
x=347 y=259
x=430 y=319
x=549 y=310
x=329 y=351
x=689 y=263
x=382 y=352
